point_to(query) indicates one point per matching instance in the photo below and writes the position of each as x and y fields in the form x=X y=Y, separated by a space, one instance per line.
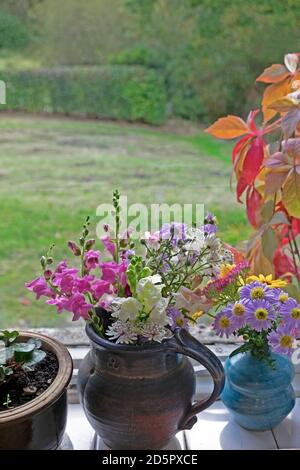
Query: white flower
x=125 y=308
x=159 y=313
x=123 y=332
x=149 y=291
x=153 y=332
x=128 y=332
x=197 y=240
x=213 y=243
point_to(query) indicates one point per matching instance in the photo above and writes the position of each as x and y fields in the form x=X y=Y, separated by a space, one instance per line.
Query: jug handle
x=184 y=343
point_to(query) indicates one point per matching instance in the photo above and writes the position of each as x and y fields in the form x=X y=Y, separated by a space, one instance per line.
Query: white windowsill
x=215 y=430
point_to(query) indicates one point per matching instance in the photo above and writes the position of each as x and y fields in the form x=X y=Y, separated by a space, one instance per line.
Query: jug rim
x=134 y=348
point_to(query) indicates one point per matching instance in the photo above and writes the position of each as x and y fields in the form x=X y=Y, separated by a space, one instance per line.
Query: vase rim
x=131 y=348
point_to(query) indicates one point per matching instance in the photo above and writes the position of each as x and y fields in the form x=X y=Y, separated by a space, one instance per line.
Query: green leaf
x=267 y=211
x=6 y=354
x=37 y=342
x=5 y=372
x=269 y=243
x=291 y=194
x=243 y=348
x=23 y=351
x=37 y=356
x=8 y=337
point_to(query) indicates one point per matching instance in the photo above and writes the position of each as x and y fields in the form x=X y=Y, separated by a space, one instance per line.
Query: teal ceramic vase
x=259 y=397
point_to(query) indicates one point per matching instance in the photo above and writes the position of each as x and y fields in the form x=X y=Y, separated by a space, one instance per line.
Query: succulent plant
x=24 y=354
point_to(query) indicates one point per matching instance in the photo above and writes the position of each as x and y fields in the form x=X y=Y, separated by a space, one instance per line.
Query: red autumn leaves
x=247 y=155
x=269 y=174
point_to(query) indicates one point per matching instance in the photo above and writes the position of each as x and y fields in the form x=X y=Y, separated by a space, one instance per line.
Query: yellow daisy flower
x=267 y=280
x=197 y=315
x=225 y=269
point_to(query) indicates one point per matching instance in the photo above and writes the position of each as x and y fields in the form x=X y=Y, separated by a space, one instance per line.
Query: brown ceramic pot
x=40 y=424
x=139 y=397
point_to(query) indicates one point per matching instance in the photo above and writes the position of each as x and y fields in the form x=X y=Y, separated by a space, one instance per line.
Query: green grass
x=54 y=172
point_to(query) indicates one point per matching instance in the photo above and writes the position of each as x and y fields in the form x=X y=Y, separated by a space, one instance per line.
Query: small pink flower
x=61 y=303
x=61 y=266
x=84 y=284
x=106 y=301
x=100 y=288
x=109 y=244
x=75 y=304
x=40 y=287
x=91 y=259
x=67 y=283
x=153 y=240
x=64 y=279
x=78 y=305
x=112 y=270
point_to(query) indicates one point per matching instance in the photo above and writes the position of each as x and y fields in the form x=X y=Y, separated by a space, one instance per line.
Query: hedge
x=130 y=93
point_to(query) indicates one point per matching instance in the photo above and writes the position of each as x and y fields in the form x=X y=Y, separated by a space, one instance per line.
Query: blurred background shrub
x=207 y=52
x=129 y=93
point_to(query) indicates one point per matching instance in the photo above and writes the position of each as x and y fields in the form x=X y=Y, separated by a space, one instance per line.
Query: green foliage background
x=117 y=92
x=207 y=52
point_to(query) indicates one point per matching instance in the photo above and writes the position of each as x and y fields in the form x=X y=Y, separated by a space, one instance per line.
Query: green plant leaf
x=23 y=351
x=243 y=348
x=6 y=354
x=37 y=356
x=269 y=243
x=5 y=372
x=291 y=194
x=8 y=337
x=36 y=341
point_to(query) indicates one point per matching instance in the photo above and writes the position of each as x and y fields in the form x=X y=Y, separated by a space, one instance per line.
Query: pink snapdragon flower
x=112 y=270
x=40 y=287
x=84 y=284
x=99 y=288
x=64 y=278
x=75 y=304
x=78 y=305
x=109 y=245
x=91 y=259
x=61 y=303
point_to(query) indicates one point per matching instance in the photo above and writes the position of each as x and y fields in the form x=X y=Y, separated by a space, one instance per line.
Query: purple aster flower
x=238 y=312
x=177 y=318
x=257 y=291
x=260 y=314
x=282 y=341
x=127 y=255
x=224 y=323
x=209 y=229
x=175 y=231
x=280 y=297
x=210 y=218
x=290 y=312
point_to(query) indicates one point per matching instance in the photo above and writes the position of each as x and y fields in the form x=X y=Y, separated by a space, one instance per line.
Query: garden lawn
x=55 y=172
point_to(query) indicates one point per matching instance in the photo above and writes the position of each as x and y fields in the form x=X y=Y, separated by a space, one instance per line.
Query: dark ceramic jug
x=139 y=397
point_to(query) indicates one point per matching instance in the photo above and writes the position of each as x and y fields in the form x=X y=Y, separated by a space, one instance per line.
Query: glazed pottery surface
x=258 y=396
x=40 y=424
x=139 y=397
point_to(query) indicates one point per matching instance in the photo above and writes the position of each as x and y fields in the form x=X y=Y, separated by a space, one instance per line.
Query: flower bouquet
x=258 y=388
x=138 y=298
x=146 y=289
